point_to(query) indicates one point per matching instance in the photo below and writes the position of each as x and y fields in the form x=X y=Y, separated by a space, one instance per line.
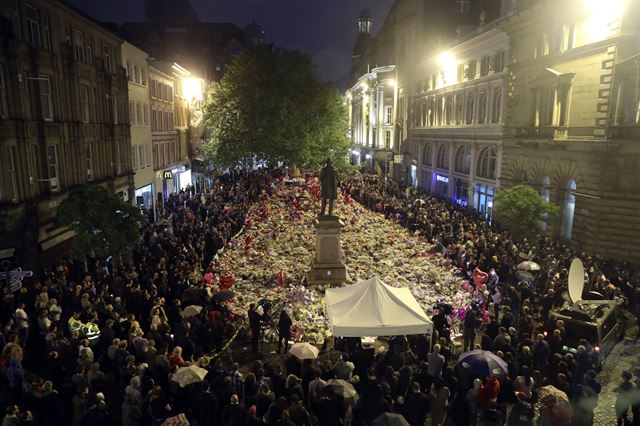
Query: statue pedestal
x=327 y=266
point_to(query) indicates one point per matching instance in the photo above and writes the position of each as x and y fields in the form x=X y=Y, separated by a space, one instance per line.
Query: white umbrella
x=188 y=375
x=191 y=311
x=179 y=420
x=528 y=265
x=304 y=351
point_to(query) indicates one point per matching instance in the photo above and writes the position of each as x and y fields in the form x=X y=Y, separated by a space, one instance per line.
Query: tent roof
x=372 y=308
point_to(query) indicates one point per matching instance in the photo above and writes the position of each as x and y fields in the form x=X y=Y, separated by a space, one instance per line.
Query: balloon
x=282 y=278
x=484 y=315
x=479 y=277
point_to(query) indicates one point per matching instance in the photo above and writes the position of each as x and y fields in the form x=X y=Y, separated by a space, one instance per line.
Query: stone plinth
x=327 y=266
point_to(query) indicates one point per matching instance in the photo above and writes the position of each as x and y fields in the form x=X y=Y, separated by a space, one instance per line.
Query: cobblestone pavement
x=624 y=356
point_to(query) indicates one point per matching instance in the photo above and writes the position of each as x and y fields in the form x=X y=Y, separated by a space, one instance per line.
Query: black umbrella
x=223 y=296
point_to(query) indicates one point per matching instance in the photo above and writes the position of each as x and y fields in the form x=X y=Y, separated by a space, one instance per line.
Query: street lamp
x=192 y=89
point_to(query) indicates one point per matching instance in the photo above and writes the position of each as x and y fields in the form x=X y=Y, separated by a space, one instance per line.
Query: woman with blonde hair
x=176 y=357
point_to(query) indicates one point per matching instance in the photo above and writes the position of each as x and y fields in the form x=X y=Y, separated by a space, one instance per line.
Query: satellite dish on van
x=576 y=280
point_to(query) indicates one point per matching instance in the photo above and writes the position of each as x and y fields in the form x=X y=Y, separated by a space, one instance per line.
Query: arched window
x=486 y=166
x=470 y=108
x=427 y=155
x=463 y=159
x=496 y=110
x=569 y=209
x=443 y=157
x=545 y=193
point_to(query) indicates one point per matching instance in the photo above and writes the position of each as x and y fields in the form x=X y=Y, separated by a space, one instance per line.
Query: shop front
x=442 y=186
x=174 y=180
x=461 y=192
x=367 y=159
x=354 y=156
x=144 y=198
x=427 y=176
x=483 y=199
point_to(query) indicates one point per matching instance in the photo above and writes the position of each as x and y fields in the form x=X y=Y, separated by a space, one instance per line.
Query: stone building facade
x=135 y=62
x=456 y=123
x=63 y=98
x=538 y=92
x=572 y=118
x=413 y=30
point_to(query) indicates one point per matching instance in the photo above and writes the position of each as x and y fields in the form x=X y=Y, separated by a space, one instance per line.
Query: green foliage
x=104 y=223
x=520 y=210
x=271 y=106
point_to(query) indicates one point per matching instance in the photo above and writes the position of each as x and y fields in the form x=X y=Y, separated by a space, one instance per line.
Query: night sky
x=325 y=29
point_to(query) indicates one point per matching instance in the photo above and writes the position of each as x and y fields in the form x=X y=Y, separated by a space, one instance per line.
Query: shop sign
x=442 y=179
x=166 y=175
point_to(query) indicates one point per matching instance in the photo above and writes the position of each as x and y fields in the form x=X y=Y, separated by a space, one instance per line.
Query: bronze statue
x=329 y=185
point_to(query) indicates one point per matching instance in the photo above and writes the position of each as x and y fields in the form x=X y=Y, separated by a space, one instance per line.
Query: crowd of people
x=520 y=308
x=100 y=343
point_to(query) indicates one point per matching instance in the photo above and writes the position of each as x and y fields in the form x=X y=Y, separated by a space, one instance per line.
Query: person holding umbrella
x=284 y=330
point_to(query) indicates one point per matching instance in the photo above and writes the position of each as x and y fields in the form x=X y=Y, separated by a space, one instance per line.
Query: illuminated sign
x=442 y=179
x=166 y=175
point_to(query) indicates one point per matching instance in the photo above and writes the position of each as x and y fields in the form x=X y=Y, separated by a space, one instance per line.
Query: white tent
x=372 y=308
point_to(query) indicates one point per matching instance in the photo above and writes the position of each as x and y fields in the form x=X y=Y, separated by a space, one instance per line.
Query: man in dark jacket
x=235 y=414
x=471 y=323
x=254 y=325
x=284 y=330
x=206 y=408
x=416 y=406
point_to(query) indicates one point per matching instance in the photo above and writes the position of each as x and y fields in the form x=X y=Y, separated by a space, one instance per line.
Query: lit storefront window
x=483 y=200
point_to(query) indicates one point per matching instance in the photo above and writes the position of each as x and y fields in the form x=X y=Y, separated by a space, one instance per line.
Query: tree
x=104 y=224
x=271 y=107
x=521 y=210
